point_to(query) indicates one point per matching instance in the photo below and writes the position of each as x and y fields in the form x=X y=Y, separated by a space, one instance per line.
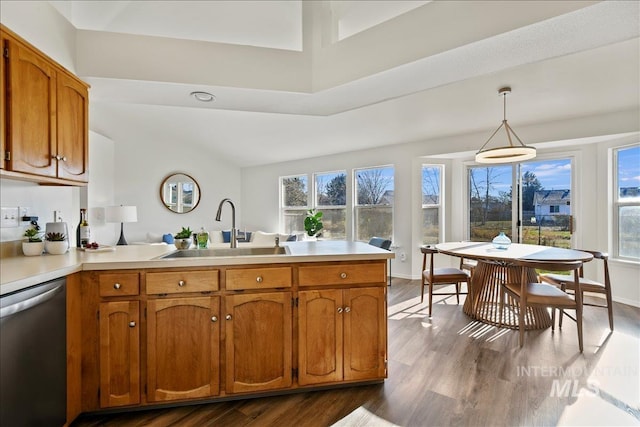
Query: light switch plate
x=9 y=217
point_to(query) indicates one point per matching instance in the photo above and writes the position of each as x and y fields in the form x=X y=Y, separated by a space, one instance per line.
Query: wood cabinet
x=119 y=339
x=119 y=353
x=206 y=333
x=258 y=341
x=45 y=117
x=183 y=353
x=342 y=335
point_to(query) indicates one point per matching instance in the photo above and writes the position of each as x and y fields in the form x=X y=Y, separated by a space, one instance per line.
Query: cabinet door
x=72 y=126
x=3 y=100
x=119 y=353
x=320 y=328
x=258 y=341
x=365 y=336
x=183 y=337
x=31 y=105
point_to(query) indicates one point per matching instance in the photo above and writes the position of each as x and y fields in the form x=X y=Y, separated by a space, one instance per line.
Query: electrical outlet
x=23 y=211
x=10 y=217
x=403 y=257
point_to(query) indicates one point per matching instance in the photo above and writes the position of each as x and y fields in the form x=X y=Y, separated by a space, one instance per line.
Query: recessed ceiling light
x=203 y=96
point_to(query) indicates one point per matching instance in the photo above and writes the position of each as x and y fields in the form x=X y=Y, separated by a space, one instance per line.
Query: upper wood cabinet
x=45 y=117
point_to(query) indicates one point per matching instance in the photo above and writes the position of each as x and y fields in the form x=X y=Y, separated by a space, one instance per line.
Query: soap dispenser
x=203 y=238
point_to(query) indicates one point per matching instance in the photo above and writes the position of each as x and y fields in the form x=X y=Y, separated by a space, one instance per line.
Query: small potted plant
x=56 y=243
x=313 y=223
x=183 y=239
x=33 y=245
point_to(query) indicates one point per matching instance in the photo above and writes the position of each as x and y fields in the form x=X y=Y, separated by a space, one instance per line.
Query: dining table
x=495 y=267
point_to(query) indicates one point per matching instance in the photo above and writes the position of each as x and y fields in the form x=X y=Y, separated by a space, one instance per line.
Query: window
x=554 y=209
x=373 y=210
x=627 y=202
x=331 y=199
x=431 y=202
x=294 y=202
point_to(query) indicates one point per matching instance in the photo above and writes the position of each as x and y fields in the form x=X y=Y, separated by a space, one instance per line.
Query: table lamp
x=121 y=214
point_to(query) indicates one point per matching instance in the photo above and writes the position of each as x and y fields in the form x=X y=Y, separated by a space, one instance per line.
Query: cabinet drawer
x=182 y=282
x=119 y=284
x=259 y=278
x=343 y=274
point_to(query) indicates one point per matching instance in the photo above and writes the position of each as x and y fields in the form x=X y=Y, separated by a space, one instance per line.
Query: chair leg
x=430 y=297
x=579 y=323
x=458 y=293
x=553 y=318
x=422 y=292
x=521 y=311
x=609 y=309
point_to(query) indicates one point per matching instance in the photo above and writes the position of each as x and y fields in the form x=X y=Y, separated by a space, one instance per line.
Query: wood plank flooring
x=450 y=370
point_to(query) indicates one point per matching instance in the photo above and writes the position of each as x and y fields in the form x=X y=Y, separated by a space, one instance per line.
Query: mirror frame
x=187 y=180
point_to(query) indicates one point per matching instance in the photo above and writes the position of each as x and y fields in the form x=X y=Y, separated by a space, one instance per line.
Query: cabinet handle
x=228 y=317
x=347 y=309
x=340 y=310
x=343 y=275
x=214 y=319
x=182 y=283
x=117 y=286
x=259 y=279
x=63 y=158
x=56 y=157
x=132 y=324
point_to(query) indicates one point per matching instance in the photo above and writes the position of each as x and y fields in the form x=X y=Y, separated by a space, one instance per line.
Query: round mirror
x=180 y=193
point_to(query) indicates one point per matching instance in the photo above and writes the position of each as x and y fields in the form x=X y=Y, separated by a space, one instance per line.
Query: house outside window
x=627 y=203
x=373 y=208
x=431 y=203
x=331 y=199
x=294 y=193
x=554 y=209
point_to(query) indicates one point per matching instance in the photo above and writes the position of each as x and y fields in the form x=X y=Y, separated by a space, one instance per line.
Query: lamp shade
x=121 y=214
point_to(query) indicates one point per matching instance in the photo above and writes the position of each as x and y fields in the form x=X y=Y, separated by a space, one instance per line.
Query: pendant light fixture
x=509 y=153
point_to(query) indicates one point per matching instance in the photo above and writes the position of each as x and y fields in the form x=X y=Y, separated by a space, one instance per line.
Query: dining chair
x=468 y=264
x=587 y=285
x=382 y=244
x=440 y=276
x=529 y=294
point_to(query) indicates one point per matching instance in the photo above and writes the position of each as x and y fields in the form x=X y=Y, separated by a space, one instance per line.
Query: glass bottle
x=84 y=230
x=202 y=238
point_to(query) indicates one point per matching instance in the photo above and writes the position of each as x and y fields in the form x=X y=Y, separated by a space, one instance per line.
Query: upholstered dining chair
x=544 y=295
x=469 y=265
x=566 y=283
x=439 y=276
x=382 y=244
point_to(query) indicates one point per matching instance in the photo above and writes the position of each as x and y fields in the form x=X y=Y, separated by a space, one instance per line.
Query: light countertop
x=21 y=272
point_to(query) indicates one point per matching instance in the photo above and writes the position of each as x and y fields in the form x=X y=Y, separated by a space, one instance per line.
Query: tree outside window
x=295 y=202
x=331 y=199
x=431 y=203
x=373 y=211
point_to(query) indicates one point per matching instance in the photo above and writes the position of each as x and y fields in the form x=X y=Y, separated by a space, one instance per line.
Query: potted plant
x=313 y=223
x=34 y=244
x=183 y=239
x=56 y=243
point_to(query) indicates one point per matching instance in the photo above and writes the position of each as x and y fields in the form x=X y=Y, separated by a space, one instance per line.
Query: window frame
x=282 y=195
x=618 y=203
x=439 y=205
x=324 y=208
x=356 y=206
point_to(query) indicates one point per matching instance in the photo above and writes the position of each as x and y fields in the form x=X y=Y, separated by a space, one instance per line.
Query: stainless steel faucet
x=233 y=240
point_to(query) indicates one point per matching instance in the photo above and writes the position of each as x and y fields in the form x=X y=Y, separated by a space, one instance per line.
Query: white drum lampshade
x=121 y=214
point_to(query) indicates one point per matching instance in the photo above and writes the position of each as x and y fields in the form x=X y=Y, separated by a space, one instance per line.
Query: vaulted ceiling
x=296 y=79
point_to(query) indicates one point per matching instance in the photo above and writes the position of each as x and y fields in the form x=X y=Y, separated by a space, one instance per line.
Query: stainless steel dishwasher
x=33 y=368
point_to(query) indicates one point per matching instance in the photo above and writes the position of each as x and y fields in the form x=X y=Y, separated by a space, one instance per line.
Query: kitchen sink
x=198 y=253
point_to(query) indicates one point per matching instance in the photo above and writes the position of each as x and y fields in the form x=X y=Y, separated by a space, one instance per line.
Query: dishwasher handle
x=30 y=302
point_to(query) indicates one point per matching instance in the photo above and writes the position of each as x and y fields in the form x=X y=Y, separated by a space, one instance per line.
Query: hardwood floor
x=450 y=370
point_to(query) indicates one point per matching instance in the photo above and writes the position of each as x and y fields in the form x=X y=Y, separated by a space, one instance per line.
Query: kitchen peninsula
x=143 y=330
